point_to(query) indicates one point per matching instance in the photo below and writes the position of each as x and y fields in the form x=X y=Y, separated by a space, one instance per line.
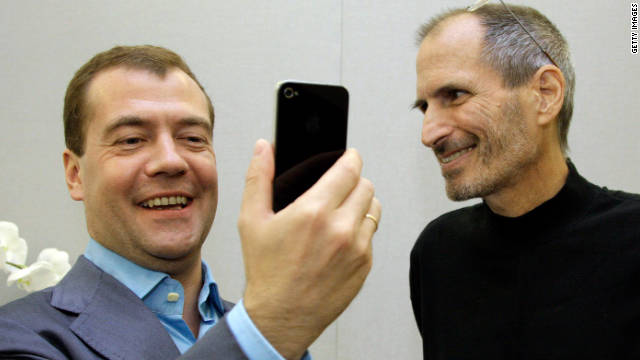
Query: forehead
x=451 y=53
x=121 y=91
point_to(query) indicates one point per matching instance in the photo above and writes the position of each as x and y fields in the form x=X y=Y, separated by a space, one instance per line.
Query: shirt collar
x=209 y=292
x=142 y=281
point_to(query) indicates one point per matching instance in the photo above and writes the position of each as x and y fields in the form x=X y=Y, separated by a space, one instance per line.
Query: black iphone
x=310 y=135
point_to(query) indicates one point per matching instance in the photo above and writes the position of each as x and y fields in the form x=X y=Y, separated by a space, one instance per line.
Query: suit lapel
x=111 y=319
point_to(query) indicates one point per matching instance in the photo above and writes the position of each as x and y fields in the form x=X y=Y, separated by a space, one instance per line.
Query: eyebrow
x=136 y=121
x=197 y=121
x=447 y=88
x=438 y=92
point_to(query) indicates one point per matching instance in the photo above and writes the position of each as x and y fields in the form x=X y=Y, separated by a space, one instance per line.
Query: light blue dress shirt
x=165 y=297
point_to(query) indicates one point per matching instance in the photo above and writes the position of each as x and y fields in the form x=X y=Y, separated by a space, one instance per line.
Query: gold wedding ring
x=375 y=221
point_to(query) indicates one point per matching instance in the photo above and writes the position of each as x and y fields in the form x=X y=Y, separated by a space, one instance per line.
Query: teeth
x=455 y=155
x=164 y=201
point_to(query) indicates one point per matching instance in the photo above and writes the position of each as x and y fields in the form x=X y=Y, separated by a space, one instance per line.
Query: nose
x=165 y=158
x=435 y=126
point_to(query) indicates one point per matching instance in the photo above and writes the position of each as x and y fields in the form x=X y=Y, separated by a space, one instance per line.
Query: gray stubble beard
x=511 y=151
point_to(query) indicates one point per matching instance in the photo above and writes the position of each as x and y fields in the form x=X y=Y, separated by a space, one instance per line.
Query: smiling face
x=148 y=176
x=480 y=131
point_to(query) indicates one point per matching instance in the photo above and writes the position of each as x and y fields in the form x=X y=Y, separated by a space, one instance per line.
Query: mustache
x=449 y=145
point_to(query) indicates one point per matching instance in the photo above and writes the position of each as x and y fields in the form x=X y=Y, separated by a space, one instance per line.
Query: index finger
x=335 y=185
x=258 y=190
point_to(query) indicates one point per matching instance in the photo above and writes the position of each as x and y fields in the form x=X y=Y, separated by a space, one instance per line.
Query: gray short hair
x=509 y=50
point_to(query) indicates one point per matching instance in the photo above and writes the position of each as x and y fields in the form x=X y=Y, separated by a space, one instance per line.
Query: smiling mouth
x=166 y=203
x=455 y=155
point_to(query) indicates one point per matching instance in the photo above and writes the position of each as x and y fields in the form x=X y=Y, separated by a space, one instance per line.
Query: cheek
x=205 y=170
x=207 y=177
x=483 y=113
x=483 y=118
x=110 y=179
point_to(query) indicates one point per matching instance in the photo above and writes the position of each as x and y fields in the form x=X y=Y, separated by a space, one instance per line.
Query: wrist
x=288 y=333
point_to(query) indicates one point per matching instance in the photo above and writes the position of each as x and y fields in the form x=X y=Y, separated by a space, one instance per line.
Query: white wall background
x=239 y=50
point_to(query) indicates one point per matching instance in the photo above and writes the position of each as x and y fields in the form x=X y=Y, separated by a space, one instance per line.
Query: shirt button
x=173 y=297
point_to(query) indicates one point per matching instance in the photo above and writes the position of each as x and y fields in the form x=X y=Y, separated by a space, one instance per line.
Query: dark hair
x=509 y=50
x=155 y=59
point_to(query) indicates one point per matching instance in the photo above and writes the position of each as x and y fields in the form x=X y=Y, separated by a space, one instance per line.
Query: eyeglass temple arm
x=531 y=36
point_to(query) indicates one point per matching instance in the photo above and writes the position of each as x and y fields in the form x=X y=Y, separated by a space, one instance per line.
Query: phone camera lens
x=289 y=93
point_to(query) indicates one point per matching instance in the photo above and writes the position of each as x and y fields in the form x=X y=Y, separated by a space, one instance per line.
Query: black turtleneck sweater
x=560 y=282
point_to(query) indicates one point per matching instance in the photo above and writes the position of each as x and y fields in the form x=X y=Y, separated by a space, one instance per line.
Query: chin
x=178 y=250
x=170 y=249
x=460 y=190
x=456 y=187
x=172 y=254
x=459 y=194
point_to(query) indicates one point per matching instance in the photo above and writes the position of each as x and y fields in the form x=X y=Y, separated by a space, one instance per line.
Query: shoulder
x=600 y=200
x=456 y=224
x=59 y=304
x=614 y=205
x=619 y=198
x=30 y=307
x=455 y=217
x=613 y=216
x=30 y=325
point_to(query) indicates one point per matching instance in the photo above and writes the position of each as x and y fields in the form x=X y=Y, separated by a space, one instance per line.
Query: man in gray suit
x=138 y=130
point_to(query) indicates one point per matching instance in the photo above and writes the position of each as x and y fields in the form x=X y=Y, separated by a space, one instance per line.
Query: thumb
x=258 y=189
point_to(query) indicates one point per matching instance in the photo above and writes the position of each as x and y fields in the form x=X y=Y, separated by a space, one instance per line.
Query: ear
x=72 y=174
x=548 y=86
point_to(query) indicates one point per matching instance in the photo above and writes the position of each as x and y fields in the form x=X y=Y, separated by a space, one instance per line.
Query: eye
x=131 y=141
x=454 y=95
x=195 y=141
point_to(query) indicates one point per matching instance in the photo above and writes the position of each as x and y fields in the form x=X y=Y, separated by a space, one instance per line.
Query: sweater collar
x=569 y=202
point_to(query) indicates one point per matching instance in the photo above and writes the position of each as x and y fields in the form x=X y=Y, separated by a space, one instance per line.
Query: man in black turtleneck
x=548 y=265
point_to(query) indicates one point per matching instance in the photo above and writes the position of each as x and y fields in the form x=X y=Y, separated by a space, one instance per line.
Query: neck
x=536 y=184
x=191 y=281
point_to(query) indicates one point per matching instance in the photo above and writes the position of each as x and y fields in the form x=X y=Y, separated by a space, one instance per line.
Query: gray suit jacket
x=91 y=315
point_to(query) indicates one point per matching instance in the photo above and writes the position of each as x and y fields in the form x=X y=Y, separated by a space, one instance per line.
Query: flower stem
x=15 y=265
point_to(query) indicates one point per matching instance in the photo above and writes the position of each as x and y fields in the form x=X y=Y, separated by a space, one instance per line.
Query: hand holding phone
x=306 y=263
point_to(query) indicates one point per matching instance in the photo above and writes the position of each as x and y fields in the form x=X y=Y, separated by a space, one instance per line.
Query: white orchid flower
x=13 y=249
x=51 y=266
